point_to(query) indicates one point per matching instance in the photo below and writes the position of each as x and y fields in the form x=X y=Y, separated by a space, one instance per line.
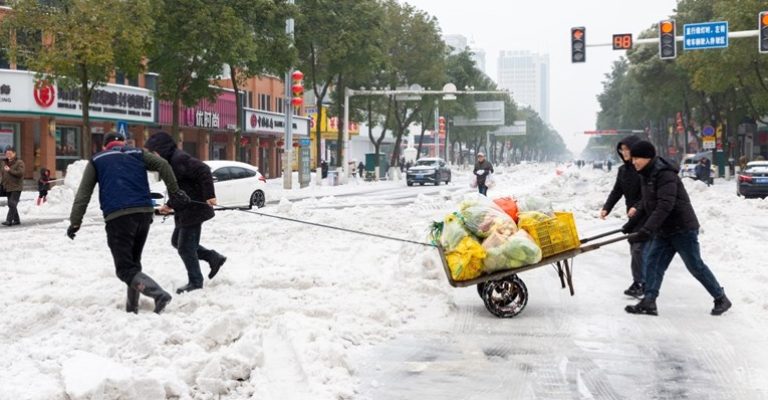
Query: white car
x=237 y=184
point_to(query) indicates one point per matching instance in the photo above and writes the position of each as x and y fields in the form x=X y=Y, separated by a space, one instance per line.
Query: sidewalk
x=356 y=185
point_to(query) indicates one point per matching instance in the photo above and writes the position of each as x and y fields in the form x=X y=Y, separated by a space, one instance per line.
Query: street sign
x=708 y=131
x=709 y=142
x=517 y=129
x=489 y=113
x=122 y=129
x=705 y=35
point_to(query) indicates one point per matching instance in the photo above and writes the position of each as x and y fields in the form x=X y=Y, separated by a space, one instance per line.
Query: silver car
x=428 y=170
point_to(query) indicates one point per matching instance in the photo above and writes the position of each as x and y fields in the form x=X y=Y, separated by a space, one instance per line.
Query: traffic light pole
x=731 y=35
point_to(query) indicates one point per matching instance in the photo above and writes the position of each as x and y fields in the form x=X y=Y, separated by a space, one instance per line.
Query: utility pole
x=436 y=131
x=288 y=108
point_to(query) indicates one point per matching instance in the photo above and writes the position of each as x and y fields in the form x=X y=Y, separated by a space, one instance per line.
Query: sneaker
x=722 y=304
x=187 y=288
x=635 y=290
x=216 y=265
x=645 y=306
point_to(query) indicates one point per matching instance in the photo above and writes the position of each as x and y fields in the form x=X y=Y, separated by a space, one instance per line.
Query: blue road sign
x=708 y=131
x=706 y=35
x=122 y=128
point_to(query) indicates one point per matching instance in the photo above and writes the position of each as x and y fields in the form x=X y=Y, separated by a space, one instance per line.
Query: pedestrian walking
x=667 y=218
x=627 y=185
x=195 y=179
x=13 y=184
x=609 y=163
x=482 y=170
x=43 y=185
x=361 y=169
x=127 y=207
x=703 y=171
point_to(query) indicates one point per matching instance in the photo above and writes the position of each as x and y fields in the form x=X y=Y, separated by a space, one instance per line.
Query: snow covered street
x=302 y=312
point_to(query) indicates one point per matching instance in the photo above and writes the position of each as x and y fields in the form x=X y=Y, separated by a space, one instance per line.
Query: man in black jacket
x=670 y=222
x=482 y=169
x=628 y=186
x=195 y=179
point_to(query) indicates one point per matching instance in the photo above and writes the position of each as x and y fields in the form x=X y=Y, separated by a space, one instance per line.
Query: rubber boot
x=216 y=264
x=646 y=306
x=39 y=200
x=132 y=301
x=150 y=288
x=722 y=304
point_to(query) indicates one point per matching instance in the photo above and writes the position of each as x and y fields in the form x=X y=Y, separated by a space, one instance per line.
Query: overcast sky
x=544 y=26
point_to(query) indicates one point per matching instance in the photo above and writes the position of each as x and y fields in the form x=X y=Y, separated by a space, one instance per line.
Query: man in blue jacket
x=124 y=196
x=667 y=219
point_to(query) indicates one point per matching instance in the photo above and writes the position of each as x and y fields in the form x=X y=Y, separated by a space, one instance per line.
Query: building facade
x=526 y=74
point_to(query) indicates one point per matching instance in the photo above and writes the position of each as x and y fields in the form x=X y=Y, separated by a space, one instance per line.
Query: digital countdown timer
x=622 y=41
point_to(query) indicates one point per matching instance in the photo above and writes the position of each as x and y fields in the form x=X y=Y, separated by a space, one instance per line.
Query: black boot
x=635 y=290
x=646 y=306
x=150 y=288
x=132 y=301
x=187 y=288
x=216 y=264
x=722 y=304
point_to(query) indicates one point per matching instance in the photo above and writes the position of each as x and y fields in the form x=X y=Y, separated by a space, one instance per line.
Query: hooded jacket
x=665 y=207
x=627 y=180
x=193 y=175
x=484 y=166
x=43 y=184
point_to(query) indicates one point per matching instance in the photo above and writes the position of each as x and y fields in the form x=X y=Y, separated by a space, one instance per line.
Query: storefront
x=329 y=131
x=264 y=137
x=208 y=129
x=45 y=125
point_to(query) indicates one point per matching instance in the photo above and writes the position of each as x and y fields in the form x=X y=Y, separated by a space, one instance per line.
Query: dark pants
x=638 y=268
x=659 y=253
x=126 y=236
x=482 y=189
x=186 y=239
x=13 y=212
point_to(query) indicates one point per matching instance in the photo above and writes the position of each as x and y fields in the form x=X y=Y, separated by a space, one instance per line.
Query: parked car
x=428 y=170
x=237 y=185
x=690 y=161
x=753 y=181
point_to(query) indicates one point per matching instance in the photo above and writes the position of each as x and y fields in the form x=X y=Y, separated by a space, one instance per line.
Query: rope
x=218 y=208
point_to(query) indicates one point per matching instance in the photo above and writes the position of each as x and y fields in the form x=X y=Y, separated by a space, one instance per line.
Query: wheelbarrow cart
x=505 y=294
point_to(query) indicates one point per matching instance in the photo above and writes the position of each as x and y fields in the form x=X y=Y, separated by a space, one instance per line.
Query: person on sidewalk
x=482 y=169
x=628 y=186
x=666 y=217
x=124 y=196
x=43 y=185
x=195 y=179
x=13 y=183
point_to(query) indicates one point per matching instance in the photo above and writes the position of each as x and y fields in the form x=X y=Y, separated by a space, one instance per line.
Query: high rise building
x=526 y=74
x=459 y=43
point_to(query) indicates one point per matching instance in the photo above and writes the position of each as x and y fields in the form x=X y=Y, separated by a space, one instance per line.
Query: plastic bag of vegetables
x=535 y=203
x=480 y=214
x=508 y=252
x=466 y=260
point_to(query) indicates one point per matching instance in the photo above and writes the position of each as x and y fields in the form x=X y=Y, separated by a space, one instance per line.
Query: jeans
x=659 y=253
x=13 y=212
x=482 y=189
x=636 y=251
x=126 y=236
x=186 y=239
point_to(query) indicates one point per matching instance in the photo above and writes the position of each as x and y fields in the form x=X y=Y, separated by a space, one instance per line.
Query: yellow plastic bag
x=466 y=260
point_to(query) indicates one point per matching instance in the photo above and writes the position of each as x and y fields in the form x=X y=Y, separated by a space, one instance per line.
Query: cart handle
x=597 y=245
x=602 y=235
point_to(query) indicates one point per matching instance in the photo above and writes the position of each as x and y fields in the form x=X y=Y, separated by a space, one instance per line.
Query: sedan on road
x=428 y=170
x=237 y=185
x=753 y=181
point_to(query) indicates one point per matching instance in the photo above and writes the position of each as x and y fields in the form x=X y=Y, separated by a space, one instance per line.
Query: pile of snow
x=293 y=303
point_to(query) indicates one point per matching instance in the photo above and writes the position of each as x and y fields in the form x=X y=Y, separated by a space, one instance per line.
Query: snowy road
x=302 y=312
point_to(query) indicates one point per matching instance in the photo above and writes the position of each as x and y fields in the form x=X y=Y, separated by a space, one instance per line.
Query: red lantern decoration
x=295 y=144
x=244 y=141
x=280 y=143
x=297 y=88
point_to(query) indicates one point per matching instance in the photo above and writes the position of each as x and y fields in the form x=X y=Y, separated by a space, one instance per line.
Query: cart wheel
x=481 y=289
x=505 y=297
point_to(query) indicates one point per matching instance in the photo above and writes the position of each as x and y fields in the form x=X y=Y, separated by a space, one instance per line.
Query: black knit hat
x=10 y=148
x=112 y=137
x=642 y=149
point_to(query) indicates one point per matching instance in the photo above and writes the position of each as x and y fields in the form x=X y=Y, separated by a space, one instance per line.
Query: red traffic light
x=578 y=34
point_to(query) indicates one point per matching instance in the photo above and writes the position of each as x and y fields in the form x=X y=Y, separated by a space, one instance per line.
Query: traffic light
x=578 y=44
x=667 y=44
x=297 y=89
x=763 y=32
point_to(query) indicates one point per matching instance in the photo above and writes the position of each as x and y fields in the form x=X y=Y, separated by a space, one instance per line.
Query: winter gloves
x=641 y=235
x=72 y=230
x=178 y=200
